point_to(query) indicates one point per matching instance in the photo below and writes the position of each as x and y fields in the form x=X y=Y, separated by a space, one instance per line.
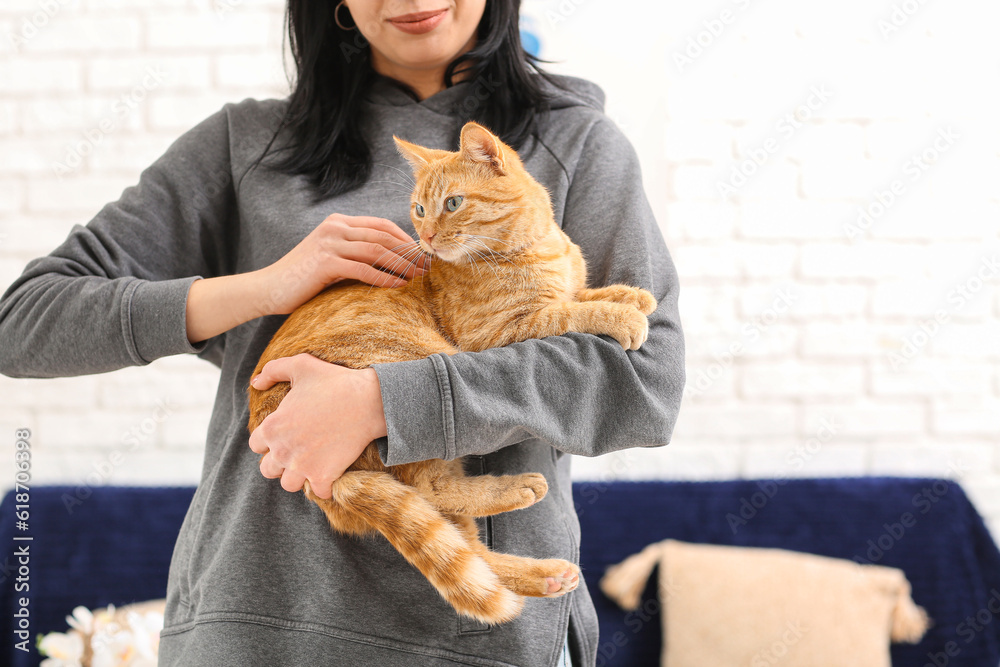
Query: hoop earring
x=336 y=18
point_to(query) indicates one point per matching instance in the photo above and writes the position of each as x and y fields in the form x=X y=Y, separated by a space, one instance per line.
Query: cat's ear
x=417 y=156
x=481 y=146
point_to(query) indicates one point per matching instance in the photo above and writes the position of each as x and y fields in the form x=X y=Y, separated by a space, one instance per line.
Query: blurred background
x=826 y=177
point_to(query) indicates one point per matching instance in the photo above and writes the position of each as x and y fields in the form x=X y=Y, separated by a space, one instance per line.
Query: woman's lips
x=418 y=23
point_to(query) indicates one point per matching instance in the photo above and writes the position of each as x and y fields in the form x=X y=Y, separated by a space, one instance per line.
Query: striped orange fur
x=503 y=271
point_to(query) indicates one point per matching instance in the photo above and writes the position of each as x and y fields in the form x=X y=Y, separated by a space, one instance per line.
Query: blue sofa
x=114 y=546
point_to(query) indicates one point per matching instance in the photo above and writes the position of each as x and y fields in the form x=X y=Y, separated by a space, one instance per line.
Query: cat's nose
x=430 y=239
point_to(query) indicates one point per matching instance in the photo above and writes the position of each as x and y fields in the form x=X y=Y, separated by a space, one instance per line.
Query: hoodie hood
x=573 y=92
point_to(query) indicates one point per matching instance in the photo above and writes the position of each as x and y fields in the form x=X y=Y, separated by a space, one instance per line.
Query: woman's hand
x=363 y=248
x=321 y=426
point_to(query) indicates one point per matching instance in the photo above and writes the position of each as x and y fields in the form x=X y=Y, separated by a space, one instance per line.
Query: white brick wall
x=835 y=315
x=837 y=352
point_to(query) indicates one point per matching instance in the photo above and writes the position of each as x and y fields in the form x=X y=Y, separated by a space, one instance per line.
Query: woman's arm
x=114 y=293
x=127 y=288
x=581 y=393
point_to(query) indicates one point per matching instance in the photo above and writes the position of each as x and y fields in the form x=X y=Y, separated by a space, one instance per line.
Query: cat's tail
x=427 y=539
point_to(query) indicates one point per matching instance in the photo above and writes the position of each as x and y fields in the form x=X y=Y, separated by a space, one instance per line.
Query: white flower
x=146 y=633
x=81 y=620
x=61 y=649
x=117 y=638
x=116 y=652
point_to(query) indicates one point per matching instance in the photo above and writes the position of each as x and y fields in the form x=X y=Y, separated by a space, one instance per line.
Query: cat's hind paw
x=563 y=583
x=535 y=577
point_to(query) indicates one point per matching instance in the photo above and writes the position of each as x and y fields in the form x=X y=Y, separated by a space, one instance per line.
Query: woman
x=258 y=208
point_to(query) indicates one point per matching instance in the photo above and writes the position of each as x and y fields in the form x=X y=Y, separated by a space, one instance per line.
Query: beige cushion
x=727 y=606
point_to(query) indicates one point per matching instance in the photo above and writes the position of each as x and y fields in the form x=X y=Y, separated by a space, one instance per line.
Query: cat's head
x=476 y=200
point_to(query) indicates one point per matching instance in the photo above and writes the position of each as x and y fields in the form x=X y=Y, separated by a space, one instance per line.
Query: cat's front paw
x=533 y=487
x=643 y=300
x=630 y=329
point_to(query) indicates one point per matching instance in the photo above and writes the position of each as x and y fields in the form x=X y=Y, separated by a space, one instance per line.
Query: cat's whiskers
x=478 y=237
x=399 y=187
x=422 y=259
x=407 y=176
x=396 y=250
x=472 y=261
x=419 y=254
x=493 y=253
x=485 y=259
x=405 y=258
x=428 y=261
x=401 y=258
x=492 y=264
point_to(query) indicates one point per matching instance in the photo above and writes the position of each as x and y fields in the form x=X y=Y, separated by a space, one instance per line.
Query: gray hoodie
x=258 y=577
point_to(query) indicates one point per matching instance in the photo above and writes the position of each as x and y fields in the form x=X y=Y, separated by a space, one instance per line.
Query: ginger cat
x=475 y=204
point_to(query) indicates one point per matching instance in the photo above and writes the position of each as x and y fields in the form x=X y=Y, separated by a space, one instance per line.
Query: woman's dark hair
x=333 y=71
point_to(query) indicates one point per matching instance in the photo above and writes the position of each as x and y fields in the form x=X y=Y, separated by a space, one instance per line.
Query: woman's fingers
x=385 y=251
x=366 y=273
x=275 y=371
x=269 y=467
x=330 y=252
x=257 y=443
x=322 y=489
x=292 y=481
x=380 y=224
x=325 y=421
x=376 y=256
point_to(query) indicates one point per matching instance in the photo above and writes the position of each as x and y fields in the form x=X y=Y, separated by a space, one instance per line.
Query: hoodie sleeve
x=581 y=393
x=114 y=294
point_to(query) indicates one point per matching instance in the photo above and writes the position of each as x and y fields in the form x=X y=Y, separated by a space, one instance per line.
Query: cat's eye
x=453 y=202
x=420 y=211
